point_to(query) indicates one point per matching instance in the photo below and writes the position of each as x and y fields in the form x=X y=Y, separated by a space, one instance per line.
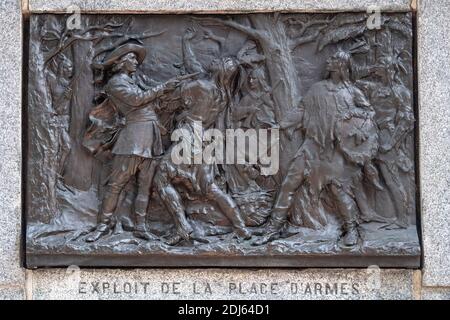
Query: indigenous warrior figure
x=136 y=145
x=334 y=111
x=253 y=110
x=395 y=120
x=204 y=99
x=256 y=106
x=60 y=85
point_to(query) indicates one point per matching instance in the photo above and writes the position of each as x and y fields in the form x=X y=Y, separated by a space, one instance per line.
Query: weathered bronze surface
x=103 y=100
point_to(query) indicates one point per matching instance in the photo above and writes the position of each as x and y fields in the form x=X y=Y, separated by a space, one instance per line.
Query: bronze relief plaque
x=251 y=140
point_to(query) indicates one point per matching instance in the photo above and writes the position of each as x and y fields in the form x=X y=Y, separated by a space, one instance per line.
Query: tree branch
x=74 y=38
x=303 y=40
x=306 y=25
x=252 y=32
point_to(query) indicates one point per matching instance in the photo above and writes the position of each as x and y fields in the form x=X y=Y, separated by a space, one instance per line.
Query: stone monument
x=230 y=137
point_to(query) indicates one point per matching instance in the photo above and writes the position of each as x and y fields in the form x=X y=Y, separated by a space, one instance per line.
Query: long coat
x=126 y=121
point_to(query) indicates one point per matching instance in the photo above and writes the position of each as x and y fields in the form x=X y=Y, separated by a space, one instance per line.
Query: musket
x=187 y=76
x=182 y=78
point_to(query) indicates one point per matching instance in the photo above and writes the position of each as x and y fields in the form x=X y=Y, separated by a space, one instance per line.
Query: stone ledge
x=218 y=284
x=215 y=6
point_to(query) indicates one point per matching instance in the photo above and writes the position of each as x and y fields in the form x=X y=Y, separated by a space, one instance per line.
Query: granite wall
x=431 y=282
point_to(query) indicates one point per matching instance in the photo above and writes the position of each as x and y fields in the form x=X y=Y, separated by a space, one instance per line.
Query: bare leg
x=174 y=204
x=398 y=195
x=371 y=173
x=230 y=209
x=64 y=141
x=293 y=180
x=367 y=213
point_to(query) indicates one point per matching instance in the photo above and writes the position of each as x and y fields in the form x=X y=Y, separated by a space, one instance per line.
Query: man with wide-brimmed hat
x=137 y=143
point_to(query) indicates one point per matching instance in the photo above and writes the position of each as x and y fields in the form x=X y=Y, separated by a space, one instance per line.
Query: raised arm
x=191 y=63
x=211 y=36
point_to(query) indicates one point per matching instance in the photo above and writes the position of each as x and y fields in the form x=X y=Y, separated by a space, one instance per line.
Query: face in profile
x=130 y=62
x=66 y=69
x=257 y=79
x=385 y=69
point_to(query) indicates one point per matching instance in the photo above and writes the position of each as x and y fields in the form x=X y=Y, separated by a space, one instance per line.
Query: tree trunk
x=283 y=77
x=79 y=164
